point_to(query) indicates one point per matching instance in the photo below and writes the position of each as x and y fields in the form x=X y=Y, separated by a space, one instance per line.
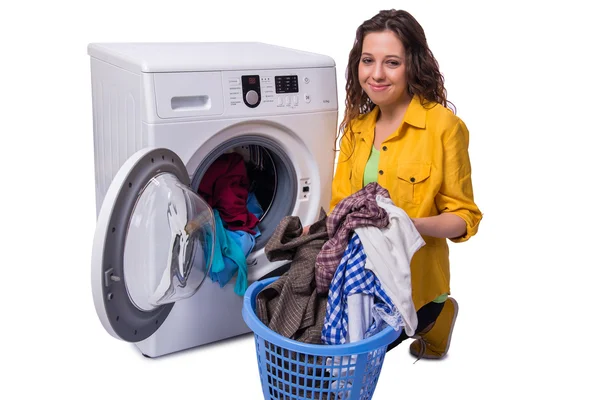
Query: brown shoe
x=433 y=343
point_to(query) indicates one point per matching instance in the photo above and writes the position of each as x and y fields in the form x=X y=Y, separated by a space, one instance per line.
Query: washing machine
x=163 y=114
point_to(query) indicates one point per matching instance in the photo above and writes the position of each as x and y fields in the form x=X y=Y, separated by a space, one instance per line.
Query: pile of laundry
x=226 y=188
x=349 y=276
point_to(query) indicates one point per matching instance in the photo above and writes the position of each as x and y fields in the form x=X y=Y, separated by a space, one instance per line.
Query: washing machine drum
x=153 y=245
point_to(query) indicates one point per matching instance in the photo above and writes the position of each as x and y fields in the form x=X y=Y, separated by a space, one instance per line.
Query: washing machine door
x=153 y=244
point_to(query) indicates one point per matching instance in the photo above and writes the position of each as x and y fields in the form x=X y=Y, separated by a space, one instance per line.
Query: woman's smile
x=378 y=88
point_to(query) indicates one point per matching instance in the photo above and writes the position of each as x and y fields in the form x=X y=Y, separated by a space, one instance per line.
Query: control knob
x=252 y=97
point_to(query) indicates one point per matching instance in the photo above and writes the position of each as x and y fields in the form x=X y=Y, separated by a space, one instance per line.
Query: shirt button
x=380 y=172
x=412 y=179
x=384 y=148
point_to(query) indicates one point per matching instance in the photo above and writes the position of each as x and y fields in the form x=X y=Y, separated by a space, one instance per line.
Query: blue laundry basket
x=293 y=370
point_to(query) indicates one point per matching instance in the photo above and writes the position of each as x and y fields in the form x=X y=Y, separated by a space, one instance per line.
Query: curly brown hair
x=422 y=69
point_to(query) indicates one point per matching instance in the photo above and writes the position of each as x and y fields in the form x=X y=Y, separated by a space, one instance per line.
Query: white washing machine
x=163 y=113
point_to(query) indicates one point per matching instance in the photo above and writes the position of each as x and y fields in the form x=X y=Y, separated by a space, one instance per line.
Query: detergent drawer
x=188 y=94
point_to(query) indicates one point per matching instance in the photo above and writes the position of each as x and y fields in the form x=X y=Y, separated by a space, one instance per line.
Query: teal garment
x=227 y=256
x=372 y=167
x=245 y=241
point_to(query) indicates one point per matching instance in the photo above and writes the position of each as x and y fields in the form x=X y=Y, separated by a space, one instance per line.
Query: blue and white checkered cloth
x=351 y=277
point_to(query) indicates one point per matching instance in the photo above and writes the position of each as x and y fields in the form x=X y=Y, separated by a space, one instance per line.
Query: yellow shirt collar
x=416 y=115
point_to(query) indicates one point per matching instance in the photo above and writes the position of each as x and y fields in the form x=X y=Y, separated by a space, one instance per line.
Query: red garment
x=225 y=186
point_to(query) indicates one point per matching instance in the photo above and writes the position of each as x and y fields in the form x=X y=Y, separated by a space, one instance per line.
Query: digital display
x=286 y=84
x=250 y=81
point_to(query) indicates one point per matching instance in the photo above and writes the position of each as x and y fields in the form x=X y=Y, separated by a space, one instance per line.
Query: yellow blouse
x=425 y=167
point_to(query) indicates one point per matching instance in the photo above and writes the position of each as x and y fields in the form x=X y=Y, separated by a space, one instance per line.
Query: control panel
x=301 y=90
x=212 y=94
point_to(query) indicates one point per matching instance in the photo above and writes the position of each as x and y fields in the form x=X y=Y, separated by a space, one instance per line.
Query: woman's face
x=382 y=69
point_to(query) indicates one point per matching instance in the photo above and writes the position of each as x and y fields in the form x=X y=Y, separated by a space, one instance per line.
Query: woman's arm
x=459 y=215
x=441 y=226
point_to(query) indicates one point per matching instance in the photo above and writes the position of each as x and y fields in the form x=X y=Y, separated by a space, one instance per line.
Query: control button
x=279 y=101
x=307 y=97
x=306 y=80
x=287 y=100
x=295 y=100
x=252 y=97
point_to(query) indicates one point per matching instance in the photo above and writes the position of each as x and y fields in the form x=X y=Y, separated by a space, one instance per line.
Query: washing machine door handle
x=153 y=244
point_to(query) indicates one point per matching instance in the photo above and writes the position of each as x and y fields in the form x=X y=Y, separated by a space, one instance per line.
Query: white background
x=524 y=79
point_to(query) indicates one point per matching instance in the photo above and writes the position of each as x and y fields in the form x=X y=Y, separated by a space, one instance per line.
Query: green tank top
x=372 y=168
x=370 y=175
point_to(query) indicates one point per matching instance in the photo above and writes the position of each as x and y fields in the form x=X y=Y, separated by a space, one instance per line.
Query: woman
x=398 y=131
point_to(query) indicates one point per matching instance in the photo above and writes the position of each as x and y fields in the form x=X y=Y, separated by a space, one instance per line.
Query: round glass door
x=153 y=244
x=169 y=243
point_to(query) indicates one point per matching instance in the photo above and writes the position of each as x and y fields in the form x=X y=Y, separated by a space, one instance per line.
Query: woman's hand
x=305 y=230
